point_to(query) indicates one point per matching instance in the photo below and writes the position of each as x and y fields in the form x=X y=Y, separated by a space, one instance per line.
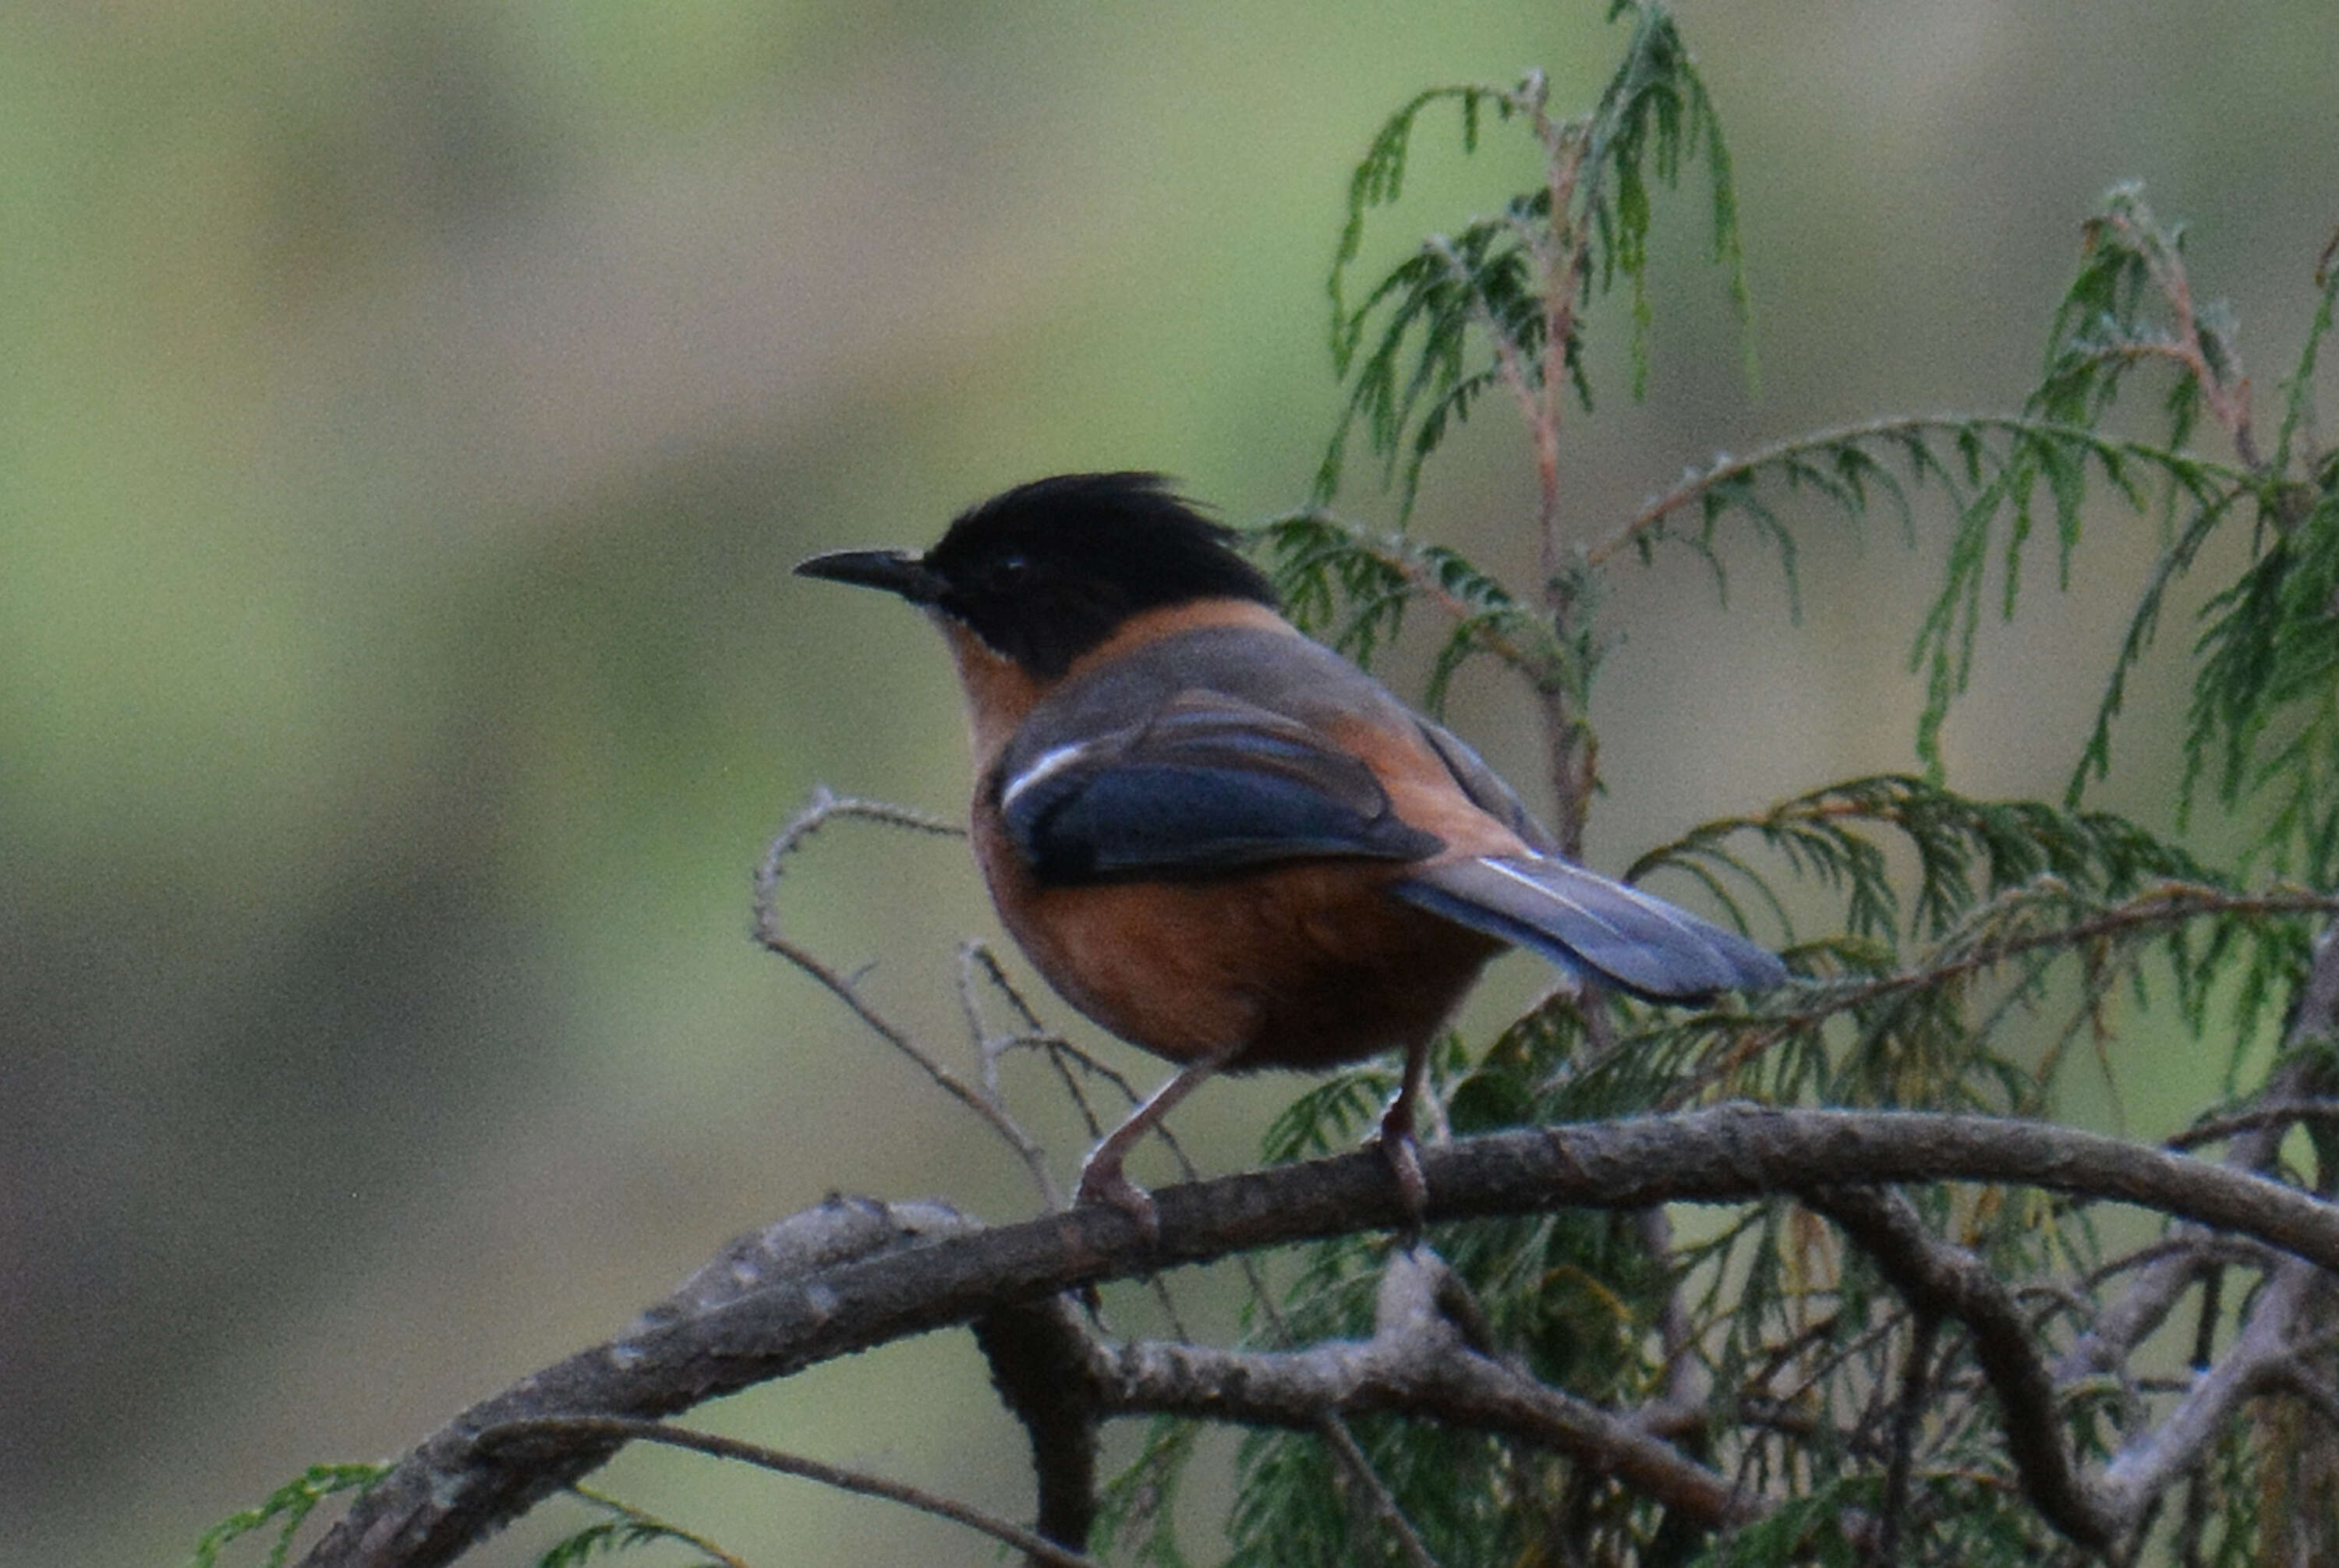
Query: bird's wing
x=1484 y=787
x=1206 y=783
x=1583 y=922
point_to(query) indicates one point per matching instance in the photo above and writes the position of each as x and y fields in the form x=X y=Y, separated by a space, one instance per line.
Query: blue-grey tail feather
x=1583 y=922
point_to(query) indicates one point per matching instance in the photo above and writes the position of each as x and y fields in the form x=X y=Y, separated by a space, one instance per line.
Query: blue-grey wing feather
x=1587 y=923
x=1208 y=784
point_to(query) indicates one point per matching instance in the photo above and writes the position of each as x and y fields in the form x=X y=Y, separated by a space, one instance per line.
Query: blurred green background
x=412 y=411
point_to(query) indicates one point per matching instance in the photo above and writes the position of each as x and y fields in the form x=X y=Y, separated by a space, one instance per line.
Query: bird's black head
x=1050 y=570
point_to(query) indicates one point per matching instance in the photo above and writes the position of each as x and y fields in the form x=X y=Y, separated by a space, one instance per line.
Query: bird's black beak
x=890 y=570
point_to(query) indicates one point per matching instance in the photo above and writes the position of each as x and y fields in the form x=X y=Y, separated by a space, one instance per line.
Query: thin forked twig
x=823 y=808
x=979 y=966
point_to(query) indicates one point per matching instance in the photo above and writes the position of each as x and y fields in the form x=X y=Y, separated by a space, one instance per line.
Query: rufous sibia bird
x=1221 y=841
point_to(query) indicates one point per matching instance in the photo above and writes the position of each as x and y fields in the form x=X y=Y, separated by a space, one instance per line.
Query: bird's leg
x=1100 y=1178
x=1398 y=1144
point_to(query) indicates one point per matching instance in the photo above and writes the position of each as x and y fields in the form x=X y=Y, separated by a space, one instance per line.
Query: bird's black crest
x=1050 y=570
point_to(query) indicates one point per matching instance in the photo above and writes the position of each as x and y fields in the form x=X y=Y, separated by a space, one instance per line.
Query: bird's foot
x=1398 y=1146
x=1102 y=1181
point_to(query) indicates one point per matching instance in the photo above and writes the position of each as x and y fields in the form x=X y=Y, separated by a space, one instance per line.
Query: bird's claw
x=1403 y=1152
x=1105 y=1184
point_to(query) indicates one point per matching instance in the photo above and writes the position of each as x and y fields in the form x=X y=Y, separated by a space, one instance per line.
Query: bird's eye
x=1010 y=570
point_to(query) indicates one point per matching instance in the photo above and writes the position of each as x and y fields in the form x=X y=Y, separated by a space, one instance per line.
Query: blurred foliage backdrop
x=412 y=409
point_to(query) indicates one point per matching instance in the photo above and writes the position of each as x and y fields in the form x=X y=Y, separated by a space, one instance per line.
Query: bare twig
x=823 y=808
x=1684 y=1386
x=539 y=1430
x=976 y=959
x=1365 y=1488
x=1563 y=253
x=1907 y=1418
x=1561 y=248
x=2273 y=1116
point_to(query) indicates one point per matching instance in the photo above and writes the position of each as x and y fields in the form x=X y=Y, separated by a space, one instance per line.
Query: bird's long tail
x=1583 y=922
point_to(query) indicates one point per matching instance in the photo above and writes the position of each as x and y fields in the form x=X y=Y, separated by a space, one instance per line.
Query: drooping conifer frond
x=1351 y=585
x=1966 y=850
x=1495 y=302
x=2263 y=730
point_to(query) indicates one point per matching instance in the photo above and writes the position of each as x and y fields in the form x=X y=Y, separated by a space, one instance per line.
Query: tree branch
x=853 y=1273
x=1938 y=1280
x=1421 y=1364
x=2304 y=1076
x=1038 y=1356
x=2139 y=1472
